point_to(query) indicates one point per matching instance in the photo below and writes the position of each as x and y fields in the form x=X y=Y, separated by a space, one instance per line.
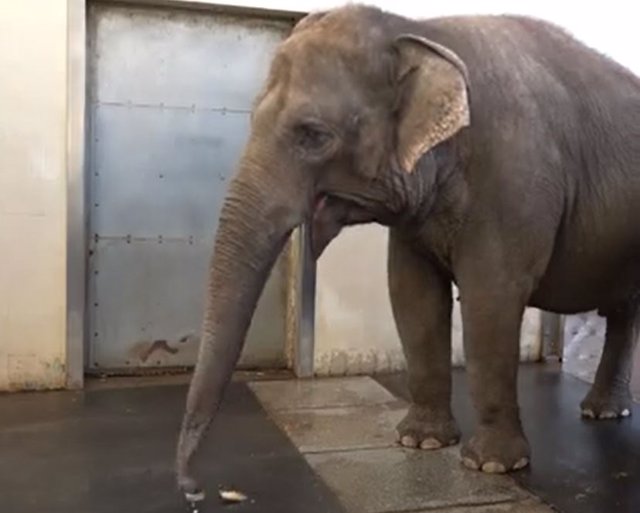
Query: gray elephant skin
x=503 y=155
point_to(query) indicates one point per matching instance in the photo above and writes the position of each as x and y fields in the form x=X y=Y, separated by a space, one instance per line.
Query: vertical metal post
x=306 y=294
x=552 y=336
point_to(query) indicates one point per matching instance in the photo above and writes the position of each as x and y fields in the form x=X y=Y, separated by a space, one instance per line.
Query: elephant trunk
x=252 y=231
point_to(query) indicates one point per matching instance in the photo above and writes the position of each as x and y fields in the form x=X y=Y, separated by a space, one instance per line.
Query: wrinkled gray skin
x=502 y=154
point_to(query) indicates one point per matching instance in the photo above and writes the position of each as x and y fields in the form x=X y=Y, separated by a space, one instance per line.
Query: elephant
x=503 y=155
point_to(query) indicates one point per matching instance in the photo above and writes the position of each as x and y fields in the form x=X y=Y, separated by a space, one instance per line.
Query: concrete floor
x=578 y=466
x=324 y=446
x=344 y=428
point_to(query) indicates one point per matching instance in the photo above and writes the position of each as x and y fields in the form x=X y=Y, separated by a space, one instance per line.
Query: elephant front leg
x=491 y=320
x=610 y=397
x=421 y=303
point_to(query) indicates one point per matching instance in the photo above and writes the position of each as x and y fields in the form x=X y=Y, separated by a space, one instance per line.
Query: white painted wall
x=355 y=329
x=33 y=54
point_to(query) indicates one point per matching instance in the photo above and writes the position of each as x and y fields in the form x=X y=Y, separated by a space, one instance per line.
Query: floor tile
x=330 y=429
x=530 y=506
x=396 y=480
x=579 y=466
x=320 y=393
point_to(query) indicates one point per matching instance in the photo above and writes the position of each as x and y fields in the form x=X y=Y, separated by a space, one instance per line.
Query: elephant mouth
x=330 y=214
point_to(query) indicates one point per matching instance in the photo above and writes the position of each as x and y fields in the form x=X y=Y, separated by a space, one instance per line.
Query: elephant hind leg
x=421 y=303
x=610 y=397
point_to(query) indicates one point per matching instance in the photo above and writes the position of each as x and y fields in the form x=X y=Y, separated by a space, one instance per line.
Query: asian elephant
x=503 y=155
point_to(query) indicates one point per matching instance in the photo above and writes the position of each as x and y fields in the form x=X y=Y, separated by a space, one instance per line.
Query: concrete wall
x=33 y=55
x=355 y=330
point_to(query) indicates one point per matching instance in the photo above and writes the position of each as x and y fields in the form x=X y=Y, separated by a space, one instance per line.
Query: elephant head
x=354 y=98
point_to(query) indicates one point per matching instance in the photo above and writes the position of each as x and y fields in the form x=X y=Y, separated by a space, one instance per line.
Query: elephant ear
x=433 y=97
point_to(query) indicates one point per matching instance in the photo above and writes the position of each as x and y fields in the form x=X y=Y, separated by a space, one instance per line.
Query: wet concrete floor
x=578 y=466
x=305 y=447
x=112 y=451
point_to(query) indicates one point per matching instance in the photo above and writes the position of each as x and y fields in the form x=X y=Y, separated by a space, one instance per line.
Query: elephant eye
x=311 y=137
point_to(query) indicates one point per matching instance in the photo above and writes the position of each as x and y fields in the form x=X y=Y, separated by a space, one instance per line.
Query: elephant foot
x=423 y=428
x=496 y=450
x=611 y=404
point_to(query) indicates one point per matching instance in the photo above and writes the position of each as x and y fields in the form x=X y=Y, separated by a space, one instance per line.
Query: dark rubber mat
x=578 y=466
x=112 y=451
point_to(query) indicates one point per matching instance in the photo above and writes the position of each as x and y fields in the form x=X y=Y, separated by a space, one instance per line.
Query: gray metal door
x=169 y=98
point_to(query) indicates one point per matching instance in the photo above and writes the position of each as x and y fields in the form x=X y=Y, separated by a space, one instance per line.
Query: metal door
x=170 y=94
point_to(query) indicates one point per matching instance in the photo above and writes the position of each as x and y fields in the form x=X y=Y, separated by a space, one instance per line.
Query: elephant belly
x=580 y=281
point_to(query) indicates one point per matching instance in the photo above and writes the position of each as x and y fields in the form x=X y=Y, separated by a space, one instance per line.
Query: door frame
x=301 y=280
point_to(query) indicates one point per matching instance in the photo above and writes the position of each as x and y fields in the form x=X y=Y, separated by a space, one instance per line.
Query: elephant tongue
x=330 y=215
x=320 y=203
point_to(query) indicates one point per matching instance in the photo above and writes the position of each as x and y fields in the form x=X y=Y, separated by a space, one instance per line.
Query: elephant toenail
x=409 y=441
x=521 y=463
x=430 y=444
x=588 y=414
x=608 y=414
x=493 y=467
x=625 y=413
x=469 y=463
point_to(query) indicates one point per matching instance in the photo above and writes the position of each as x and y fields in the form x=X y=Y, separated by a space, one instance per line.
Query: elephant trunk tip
x=190 y=488
x=187 y=484
x=194 y=500
x=193 y=494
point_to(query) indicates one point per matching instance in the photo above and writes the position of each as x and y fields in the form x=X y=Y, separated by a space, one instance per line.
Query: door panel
x=170 y=92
